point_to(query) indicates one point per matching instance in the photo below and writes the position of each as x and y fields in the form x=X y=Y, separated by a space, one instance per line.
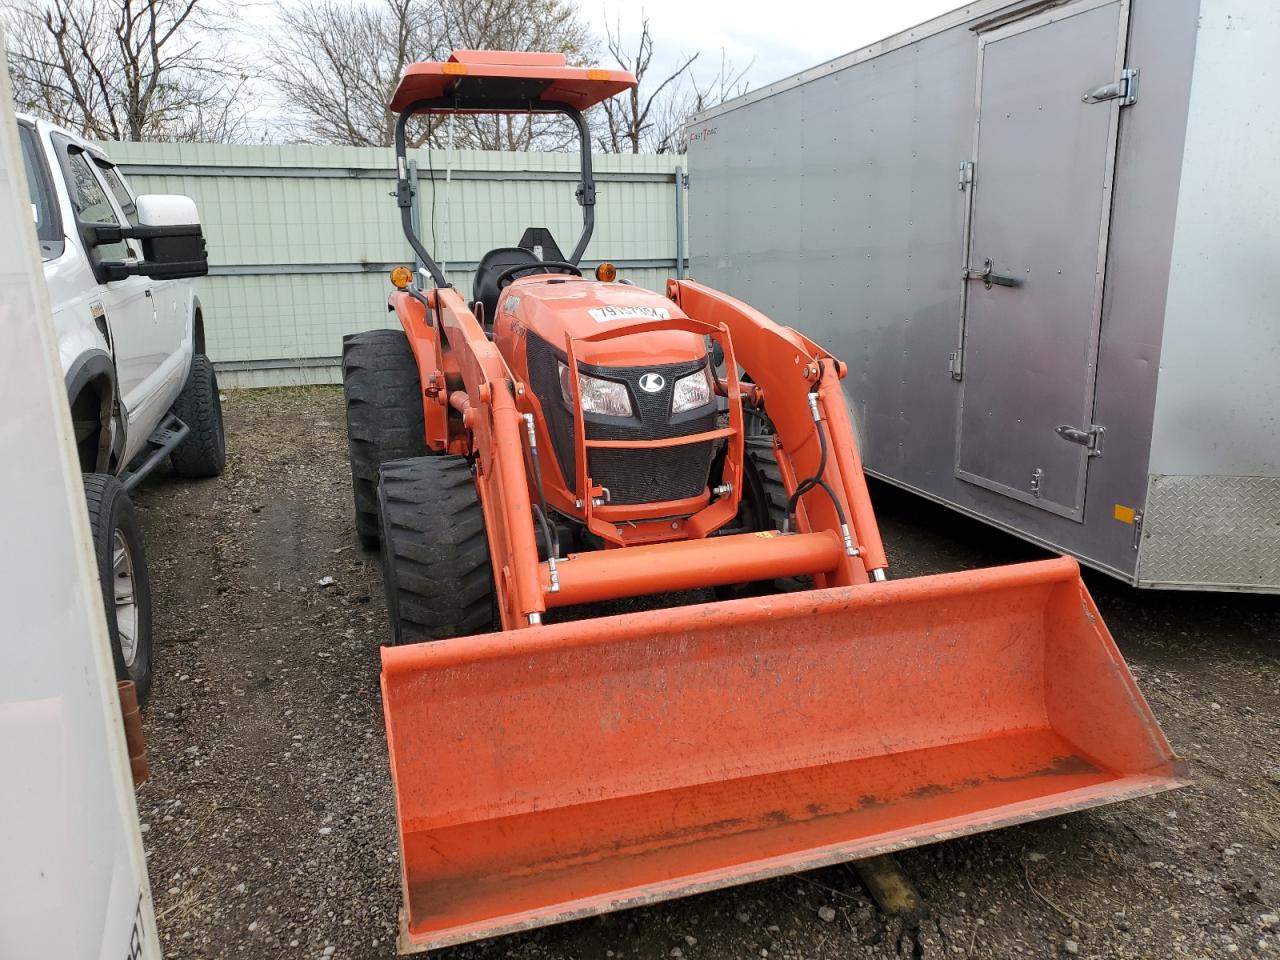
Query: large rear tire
x=384 y=415
x=122 y=573
x=203 y=452
x=435 y=552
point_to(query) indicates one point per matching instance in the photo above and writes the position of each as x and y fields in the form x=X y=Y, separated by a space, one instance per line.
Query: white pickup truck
x=131 y=338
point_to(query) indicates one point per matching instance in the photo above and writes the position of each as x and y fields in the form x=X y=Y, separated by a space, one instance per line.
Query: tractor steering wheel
x=508 y=276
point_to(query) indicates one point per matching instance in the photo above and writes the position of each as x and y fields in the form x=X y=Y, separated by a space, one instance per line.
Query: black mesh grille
x=647 y=476
x=631 y=476
x=544 y=377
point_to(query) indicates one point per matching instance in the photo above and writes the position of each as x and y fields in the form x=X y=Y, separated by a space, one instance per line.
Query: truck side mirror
x=172 y=242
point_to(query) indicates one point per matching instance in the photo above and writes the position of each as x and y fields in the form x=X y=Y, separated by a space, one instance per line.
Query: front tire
x=203 y=452
x=122 y=572
x=763 y=507
x=435 y=552
x=384 y=415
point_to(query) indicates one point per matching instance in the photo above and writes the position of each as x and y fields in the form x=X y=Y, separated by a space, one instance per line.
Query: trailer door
x=1050 y=88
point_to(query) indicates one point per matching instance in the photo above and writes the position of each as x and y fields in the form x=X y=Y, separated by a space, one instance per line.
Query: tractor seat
x=490 y=268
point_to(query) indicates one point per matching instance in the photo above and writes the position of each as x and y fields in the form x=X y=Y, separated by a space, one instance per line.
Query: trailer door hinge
x=1090 y=438
x=955 y=365
x=1125 y=90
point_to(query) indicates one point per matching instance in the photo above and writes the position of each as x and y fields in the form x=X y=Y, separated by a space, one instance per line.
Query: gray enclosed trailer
x=1046 y=239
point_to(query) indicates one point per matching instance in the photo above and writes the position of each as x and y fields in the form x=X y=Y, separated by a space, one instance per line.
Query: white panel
x=1218 y=400
x=73 y=881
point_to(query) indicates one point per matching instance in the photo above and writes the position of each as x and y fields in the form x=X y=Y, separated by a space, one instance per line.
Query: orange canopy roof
x=495 y=79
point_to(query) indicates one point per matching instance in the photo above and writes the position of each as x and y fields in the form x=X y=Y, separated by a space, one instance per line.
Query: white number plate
x=609 y=314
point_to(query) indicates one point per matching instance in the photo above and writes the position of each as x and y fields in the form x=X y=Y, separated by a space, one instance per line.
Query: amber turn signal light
x=401 y=277
x=607 y=272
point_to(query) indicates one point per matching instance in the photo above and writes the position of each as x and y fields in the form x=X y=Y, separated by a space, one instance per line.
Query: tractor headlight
x=691 y=392
x=607 y=397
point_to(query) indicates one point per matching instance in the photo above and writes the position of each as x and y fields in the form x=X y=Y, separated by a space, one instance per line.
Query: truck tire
x=763 y=507
x=384 y=415
x=122 y=572
x=435 y=552
x=203 y=453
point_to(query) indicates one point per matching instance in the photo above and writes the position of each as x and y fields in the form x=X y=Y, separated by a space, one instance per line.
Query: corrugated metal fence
x=301 y=237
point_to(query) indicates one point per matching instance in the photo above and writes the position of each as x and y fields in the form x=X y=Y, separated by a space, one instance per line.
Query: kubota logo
x=652 y=382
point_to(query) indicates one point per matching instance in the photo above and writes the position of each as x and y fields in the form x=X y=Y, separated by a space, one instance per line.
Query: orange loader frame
x=485 y=419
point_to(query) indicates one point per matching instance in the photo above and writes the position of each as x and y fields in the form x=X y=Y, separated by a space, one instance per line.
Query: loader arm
x=788 y=367
x=456 y=360
x=463 y=372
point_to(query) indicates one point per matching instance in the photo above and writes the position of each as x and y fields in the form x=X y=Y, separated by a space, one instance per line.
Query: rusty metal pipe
x=687 y=565
x=134 y=740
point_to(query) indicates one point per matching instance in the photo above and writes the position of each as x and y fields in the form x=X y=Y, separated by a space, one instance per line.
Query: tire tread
x=203 y=453
x=108 y=507
x=435 y=550
x=384 y=415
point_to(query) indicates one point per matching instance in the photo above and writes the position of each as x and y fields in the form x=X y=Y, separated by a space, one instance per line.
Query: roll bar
x=586 y=192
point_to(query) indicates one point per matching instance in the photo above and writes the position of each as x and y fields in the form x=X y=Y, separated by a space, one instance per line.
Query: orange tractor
x=560 y=440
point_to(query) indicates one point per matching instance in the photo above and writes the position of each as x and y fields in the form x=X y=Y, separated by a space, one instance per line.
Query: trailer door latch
x=1091 y=438
x=1125 y=90
x=989 y=278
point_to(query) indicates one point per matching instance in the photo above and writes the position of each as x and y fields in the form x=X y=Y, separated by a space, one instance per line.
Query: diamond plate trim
x=1221 y=532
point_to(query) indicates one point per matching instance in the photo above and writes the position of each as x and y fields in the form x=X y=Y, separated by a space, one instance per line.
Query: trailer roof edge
x=970 y=12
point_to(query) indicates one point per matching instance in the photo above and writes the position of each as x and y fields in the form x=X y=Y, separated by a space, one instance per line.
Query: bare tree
x=338 y=64
x=128 y=69
x=691 y=96
x=629 y=119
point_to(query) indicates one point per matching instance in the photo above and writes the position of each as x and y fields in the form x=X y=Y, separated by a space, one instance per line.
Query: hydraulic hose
x=817 y=480
x=551 y=536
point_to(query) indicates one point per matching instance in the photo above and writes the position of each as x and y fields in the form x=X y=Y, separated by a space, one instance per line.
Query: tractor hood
x=556 y=307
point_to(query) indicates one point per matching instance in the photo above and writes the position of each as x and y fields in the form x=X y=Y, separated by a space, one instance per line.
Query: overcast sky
x=776 y=38
x=783 y=37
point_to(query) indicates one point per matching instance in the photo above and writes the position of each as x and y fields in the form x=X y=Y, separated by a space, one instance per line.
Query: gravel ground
x=268 y=819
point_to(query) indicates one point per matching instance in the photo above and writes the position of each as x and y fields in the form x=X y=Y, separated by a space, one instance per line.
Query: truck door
x=130 y=312
x=168 y=297
x=1050 y=89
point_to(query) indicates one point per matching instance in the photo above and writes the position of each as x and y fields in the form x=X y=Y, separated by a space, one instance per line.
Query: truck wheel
x=763 y=507
x=435 y=553
x=384 y=415
x=203 y=453
x=122 y=572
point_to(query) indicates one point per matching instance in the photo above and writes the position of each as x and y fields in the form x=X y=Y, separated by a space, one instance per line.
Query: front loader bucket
x=554 y=773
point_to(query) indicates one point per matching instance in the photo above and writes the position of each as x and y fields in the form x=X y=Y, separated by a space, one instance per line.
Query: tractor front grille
x=635 y=475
